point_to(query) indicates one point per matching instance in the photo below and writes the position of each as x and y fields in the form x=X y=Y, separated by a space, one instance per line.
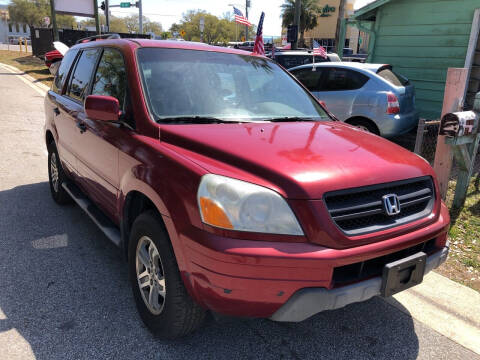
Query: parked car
x=293 y=58
x=228 y=187
x=370 y=96
x=52 y=60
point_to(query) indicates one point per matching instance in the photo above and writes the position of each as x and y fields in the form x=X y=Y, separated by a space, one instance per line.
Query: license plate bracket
x=403 y=274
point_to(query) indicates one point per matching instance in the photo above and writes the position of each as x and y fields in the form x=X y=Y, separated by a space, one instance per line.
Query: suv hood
x=302 y=160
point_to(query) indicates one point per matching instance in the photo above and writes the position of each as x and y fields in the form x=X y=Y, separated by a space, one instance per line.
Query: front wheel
x=161 y=298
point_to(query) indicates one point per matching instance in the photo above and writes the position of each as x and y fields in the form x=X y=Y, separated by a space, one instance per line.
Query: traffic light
x=102 y=6
x=137 y=4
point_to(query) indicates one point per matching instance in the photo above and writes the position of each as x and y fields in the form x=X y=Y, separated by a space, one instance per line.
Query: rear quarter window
x=393 y=78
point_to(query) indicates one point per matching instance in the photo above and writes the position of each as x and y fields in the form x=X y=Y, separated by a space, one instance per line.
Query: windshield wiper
x=197 y=120
x=292 y=119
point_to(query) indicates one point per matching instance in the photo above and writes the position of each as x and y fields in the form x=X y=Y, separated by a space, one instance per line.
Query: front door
x=98 y=162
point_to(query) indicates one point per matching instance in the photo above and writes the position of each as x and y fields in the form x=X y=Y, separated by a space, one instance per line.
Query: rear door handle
x=82 y=127
x=56 y=111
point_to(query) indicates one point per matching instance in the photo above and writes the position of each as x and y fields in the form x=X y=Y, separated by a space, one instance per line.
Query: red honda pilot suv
x=230 y=188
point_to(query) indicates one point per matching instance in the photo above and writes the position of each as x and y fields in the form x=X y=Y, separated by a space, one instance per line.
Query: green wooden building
x=421 y=39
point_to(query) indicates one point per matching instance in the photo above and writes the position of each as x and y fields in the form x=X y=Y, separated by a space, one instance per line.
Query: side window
x=63 y=70
x=82 y=74
x=309 y=78
x=337 y=79
x=111 y=77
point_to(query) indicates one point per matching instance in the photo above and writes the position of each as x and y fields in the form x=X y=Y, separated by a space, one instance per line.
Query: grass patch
x=463 y=264
x=30 y=65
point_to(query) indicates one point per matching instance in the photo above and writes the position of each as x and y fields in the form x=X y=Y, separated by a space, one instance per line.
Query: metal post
x=339 y=42
x=95 y=14
x=107 y=16
x=54 y=20
x=247 y=3
x=140 y=17
x=296 y=21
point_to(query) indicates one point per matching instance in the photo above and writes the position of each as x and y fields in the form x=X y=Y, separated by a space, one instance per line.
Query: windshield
x=188 y=83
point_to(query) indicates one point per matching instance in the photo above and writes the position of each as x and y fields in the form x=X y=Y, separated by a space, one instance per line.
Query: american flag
x=239 y=18
x=319 y=50
x=258 y=48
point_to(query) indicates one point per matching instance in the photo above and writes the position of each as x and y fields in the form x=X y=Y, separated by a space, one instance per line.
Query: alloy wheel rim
x=150 y=275
x=54 y=171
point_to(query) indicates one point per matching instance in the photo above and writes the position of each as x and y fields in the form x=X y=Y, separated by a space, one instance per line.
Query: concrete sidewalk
x=449 y=308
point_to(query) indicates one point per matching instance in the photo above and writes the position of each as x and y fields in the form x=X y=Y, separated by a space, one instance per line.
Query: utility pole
x=247 y=5
x=296 y=21
x=338 y=37
x=95 y=14
x=107 y=16
x=54 y=20
x=140 y=17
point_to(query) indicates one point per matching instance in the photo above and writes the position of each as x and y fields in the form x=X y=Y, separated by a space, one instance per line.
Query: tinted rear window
x=393 y=78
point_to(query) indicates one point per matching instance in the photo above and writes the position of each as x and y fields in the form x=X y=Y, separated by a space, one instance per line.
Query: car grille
x=359 y=271
x=361 y=210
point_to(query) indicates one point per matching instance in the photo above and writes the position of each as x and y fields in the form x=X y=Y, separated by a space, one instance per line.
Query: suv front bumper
x=310 y=301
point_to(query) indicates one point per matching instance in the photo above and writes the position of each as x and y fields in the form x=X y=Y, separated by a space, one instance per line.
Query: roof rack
x=98 y=37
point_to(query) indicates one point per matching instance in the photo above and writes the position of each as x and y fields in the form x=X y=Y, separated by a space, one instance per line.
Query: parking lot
x=64 y=291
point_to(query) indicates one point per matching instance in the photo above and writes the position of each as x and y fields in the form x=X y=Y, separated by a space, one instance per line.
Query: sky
x=168 y=12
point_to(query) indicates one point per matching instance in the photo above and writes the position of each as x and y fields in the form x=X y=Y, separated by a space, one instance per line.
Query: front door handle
x=82 y=127
x=56 y=111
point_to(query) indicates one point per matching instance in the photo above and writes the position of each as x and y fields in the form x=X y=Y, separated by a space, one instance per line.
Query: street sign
x=125 y=4
x=182 y=33
x=202 y=24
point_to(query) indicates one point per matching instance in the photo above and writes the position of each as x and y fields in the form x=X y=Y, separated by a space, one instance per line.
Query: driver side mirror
x=102 y=108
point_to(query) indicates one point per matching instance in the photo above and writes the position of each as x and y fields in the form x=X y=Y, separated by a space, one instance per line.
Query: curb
x=27 y=77
x=445 y=306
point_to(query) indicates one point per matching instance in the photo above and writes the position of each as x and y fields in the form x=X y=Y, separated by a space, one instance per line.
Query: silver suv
x=370 y=96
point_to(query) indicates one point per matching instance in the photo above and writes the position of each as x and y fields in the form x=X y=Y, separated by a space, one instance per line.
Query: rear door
x=55 y=106
x=71 y=103
x=339 y=88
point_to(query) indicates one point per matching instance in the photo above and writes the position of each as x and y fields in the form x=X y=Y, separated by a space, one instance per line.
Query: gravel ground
x=64 y=292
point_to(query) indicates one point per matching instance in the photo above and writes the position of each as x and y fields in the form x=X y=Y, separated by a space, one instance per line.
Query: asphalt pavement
x=64 y=291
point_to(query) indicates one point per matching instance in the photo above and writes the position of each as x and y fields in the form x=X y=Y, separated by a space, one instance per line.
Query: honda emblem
x=391 y=204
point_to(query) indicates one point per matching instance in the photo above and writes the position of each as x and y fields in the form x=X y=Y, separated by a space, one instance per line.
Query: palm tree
x=308 y=16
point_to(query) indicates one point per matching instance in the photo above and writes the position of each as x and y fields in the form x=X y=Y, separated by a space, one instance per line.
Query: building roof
x=368 y=10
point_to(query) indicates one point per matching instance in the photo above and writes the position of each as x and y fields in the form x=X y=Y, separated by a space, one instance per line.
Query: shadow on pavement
x=64 y=288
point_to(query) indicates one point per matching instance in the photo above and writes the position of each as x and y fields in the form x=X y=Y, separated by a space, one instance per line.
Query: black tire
x=179 y=315
x=59 y=194
x=365 y=125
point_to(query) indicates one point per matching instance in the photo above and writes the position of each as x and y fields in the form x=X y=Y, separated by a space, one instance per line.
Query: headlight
x=238 y=205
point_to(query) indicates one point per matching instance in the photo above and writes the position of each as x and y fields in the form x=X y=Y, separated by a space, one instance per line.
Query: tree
x=308 y=16
x=33 y=12
x=133 y=26
x=216 y=31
